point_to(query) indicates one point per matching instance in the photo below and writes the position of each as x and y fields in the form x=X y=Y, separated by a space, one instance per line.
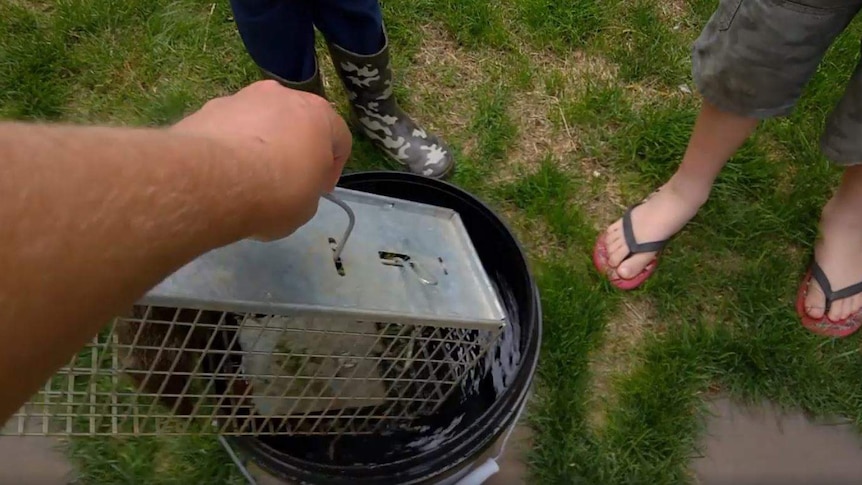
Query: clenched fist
x=296 y=139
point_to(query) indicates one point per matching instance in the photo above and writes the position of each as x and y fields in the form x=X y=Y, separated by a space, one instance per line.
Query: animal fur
x=156 y=333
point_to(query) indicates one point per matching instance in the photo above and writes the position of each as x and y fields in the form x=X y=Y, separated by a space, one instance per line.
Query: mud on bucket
x=445 y=446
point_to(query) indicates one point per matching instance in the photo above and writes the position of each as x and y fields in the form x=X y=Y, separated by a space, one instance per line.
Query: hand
x=294 y=142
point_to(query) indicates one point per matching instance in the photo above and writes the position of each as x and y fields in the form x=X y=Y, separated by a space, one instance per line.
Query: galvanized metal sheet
x=404 y=262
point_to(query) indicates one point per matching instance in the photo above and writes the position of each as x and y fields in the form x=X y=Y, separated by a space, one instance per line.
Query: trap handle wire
x=339 y=248
x=236 y=461
x=491 y=466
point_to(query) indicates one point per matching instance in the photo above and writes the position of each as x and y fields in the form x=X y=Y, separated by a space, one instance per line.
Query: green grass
x=168 y=460
x=599 y=104
x=722 y=321
x=562 y=24
x=492 y=124
x=645 y=47
x=34 y=69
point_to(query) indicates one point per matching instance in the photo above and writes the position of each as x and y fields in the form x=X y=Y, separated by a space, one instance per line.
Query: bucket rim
x=469 y=443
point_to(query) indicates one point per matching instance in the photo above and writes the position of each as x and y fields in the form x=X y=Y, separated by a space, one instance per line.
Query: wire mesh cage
x=281 y=338
x=179 y=371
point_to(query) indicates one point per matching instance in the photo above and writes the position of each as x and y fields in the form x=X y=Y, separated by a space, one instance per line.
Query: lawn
x=562 y=112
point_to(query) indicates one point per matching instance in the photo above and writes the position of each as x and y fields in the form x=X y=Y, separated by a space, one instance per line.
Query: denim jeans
x=279 y=34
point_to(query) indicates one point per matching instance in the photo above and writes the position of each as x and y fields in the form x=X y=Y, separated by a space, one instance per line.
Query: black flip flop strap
x=634 y=246
x=832 y=296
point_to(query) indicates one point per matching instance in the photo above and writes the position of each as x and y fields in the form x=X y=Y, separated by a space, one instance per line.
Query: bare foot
x=663 y=214
x=839 y=253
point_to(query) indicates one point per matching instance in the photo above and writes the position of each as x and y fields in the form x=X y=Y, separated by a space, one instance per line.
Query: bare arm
x=91 y=218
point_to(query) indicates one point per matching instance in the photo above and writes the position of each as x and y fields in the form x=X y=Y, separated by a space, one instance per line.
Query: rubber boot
x=313 y=85
x=375 y=112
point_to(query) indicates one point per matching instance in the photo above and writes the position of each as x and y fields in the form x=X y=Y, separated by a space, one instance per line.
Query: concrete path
x=749 y=445
x=32 y=459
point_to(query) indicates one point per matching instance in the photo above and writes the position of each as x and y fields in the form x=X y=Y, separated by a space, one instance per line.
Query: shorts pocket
x=824 y=4
x=821 y=8
x=726 y=13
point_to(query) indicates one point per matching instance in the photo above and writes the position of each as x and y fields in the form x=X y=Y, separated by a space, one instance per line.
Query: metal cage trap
x=306 y=335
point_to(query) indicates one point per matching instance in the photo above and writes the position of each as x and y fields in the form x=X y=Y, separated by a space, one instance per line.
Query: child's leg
x=353 y=25
x=359 y=48
x=279 y=36
x=751 y=61
x=715 y=138
x=839 y=251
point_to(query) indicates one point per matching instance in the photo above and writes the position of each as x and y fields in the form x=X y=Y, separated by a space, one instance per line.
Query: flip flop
x=824 y=325
x=601 y=254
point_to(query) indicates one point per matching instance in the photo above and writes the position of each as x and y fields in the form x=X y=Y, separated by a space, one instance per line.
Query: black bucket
x=447 y=444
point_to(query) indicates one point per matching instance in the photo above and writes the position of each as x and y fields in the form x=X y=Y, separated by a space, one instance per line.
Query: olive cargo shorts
x=754 y=57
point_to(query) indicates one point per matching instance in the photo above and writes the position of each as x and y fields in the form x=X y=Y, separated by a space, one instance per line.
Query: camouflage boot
x=313 y=85
x=368 y=81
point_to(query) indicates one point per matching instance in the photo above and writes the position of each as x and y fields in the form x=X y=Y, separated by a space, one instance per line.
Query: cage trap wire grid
x=227 y=345
x=180 y=371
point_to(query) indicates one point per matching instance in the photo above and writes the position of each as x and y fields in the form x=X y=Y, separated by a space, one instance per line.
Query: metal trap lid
x=404 y=262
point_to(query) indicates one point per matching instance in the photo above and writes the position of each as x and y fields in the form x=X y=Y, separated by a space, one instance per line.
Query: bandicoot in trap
x=325 y=332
